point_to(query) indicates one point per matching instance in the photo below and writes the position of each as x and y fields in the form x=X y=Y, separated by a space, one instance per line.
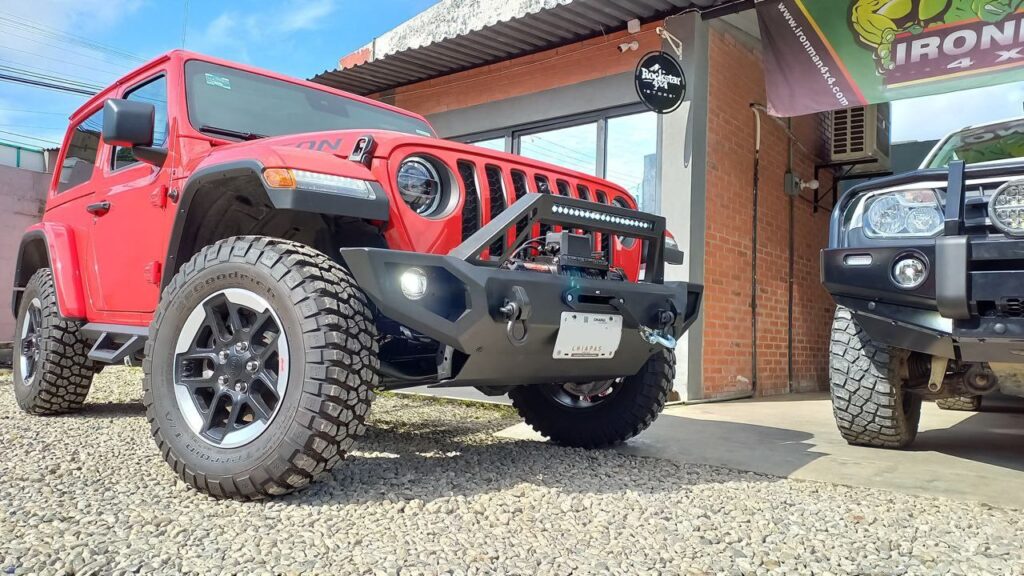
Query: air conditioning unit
x=860 y=137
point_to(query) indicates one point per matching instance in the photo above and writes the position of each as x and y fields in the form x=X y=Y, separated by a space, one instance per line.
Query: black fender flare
x=318 y=202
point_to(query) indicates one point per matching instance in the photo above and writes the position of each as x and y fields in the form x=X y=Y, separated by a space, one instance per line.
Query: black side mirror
x=128 y=123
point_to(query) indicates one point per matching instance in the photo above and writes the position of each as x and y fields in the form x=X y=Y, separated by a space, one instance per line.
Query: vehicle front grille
x=490 y=190
x=1012 y=307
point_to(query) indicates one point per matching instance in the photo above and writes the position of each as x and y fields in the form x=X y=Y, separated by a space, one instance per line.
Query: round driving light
x=1006 y=208
x=925 y=220
x=909 y=272
x=414 y=283
x=420 y=185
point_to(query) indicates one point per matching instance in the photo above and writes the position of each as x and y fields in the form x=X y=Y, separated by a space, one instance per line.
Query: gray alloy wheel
x=29 y=351
x=231 y=368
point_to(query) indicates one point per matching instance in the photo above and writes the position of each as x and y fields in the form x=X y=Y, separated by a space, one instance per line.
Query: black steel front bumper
x=956 y=312
x=463 y=307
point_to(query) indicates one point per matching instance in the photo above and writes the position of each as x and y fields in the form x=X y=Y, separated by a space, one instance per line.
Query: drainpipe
x=792 y=264
x=753 y=258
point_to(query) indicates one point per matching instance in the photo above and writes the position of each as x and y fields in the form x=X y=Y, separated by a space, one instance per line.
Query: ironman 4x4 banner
x=828 y=54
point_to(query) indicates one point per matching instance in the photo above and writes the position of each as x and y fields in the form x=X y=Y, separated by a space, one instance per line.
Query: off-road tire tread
x=65 y=374
x=615 y=426
x=960 y=403
x=340 y=357
x=867 y=398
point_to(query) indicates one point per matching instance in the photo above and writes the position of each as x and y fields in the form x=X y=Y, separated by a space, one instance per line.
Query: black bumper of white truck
x=960 y=311
x=467 y=304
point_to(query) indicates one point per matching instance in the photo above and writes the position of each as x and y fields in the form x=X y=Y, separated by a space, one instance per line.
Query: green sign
x=828 y=54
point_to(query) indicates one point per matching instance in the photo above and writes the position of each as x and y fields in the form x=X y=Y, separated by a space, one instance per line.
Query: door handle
x=99 y=208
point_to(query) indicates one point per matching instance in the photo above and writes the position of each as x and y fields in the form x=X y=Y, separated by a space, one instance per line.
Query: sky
x=296 y=37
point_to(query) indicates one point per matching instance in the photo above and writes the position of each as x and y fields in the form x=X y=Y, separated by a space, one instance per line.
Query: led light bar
x=601 y=217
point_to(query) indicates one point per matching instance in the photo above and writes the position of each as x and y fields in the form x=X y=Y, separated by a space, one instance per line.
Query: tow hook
x=516 y=311
x=657 y=337
x=661 y=336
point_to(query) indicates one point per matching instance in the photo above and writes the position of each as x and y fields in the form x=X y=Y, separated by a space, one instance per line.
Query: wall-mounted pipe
x=753 y=257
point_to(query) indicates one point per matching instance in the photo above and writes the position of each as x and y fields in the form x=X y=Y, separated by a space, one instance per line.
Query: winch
x=566 y=254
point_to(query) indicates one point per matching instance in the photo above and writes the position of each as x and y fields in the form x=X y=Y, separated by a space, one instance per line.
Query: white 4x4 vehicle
x=927 y=268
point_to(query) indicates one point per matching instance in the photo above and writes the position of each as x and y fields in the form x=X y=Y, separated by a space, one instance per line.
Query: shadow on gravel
x=110 y=410
x=432 y=459
x=993 y=436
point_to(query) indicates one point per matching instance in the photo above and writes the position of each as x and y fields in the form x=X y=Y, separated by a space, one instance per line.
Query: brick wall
x=737 y=80
x=22 y=199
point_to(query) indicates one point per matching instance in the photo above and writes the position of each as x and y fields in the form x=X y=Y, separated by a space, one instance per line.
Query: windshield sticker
x=423 y=133
x=218 y=81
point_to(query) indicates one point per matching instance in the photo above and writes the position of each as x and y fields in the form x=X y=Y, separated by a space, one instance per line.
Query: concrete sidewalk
x=960 y=455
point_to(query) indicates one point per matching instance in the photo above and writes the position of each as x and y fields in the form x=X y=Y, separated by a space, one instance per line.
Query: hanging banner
x=828 y=54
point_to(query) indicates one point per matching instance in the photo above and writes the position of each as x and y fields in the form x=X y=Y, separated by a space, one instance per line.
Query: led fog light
x=909 y=272
x=414 y=283
x=1006 y=208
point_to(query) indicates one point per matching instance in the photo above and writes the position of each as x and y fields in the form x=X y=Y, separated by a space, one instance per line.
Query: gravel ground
x=431 y=491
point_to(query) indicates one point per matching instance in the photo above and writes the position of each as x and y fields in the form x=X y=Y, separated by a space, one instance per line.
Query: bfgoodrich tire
x=613 y=414
x=870 y=404
x=960 y=403
x=259 y=368
x=52 y=371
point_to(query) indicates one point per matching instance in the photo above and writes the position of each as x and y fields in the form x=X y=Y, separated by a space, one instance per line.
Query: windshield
x=229 y=102
x=982 y=144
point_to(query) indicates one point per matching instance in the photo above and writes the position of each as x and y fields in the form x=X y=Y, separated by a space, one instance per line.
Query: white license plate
x=588 y=336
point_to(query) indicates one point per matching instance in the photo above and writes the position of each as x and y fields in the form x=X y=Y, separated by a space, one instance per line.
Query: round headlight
x=420 y=185
x=887 y=215
x=1006 y=208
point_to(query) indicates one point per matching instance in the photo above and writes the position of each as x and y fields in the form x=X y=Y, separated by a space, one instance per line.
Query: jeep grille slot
x=471 y=207
x=563 y=188
x=543 y=187
x=605 y=239
x=583 y=192
x=521 y=189
x=496 y=195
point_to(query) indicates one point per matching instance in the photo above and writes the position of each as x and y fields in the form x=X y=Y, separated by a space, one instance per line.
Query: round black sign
x=660 y=82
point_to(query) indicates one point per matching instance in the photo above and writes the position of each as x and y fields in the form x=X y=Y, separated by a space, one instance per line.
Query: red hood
x=328 y=152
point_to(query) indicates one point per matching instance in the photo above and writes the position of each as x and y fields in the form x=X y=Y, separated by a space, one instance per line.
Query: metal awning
x=456 y=35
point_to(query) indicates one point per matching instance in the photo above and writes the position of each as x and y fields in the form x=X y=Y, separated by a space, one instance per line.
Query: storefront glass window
x=493 y=144
x=632 y=156
x=574 y=147
x=620 y=145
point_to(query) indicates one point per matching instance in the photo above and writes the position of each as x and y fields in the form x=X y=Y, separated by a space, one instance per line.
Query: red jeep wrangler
x=273 y=251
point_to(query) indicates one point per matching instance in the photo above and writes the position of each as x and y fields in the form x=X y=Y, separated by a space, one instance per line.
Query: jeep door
x=130 y=232
x=74 y=182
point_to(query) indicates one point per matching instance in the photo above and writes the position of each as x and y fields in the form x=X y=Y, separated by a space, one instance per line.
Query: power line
x=62 y=61
x=50 y=85
x=184 y=26
x=29 y=137
x=46 y=31
x=22 y=111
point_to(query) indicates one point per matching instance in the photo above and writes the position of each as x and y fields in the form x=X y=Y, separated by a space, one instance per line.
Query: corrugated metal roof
x=456 y=35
